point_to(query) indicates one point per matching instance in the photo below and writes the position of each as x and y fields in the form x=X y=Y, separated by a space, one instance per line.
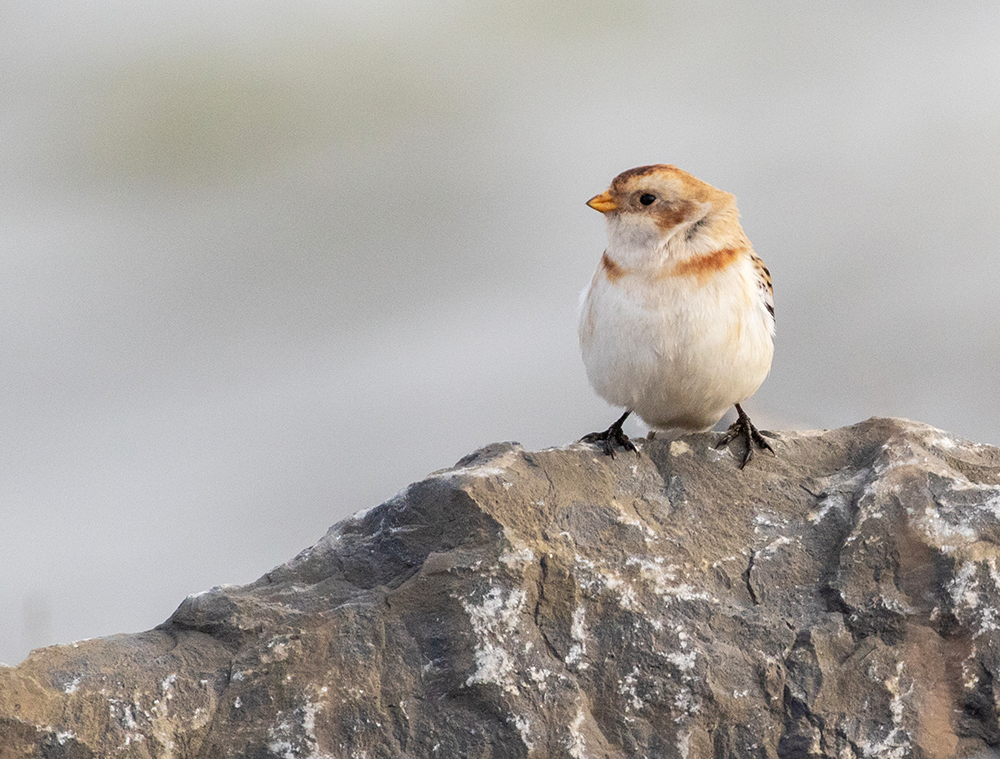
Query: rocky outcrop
x=837 y=600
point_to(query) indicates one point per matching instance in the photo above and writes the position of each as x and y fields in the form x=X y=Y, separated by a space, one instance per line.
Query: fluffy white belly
x=677 y=355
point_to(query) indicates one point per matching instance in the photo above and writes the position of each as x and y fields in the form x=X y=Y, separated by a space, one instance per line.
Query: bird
x=677 y=323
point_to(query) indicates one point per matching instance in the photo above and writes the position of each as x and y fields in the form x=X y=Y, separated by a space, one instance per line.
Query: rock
x=838 y=600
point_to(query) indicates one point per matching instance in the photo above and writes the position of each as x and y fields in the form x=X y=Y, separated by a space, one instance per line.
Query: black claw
x=611 y=436
x=744 y=428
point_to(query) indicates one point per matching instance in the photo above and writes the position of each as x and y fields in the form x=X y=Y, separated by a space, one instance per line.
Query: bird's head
x=646 y=207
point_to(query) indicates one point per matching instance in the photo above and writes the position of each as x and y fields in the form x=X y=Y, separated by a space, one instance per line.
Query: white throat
x=635 y=241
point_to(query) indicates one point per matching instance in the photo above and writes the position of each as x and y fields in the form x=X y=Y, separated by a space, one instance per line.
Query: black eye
x=647 y=199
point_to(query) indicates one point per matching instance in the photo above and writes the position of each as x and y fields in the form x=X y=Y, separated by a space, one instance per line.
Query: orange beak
x=603 y=203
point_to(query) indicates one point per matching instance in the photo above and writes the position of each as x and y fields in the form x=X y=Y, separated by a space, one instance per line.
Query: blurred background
x=265 y=263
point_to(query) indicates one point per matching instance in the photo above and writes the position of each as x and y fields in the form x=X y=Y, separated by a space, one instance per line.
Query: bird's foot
x=745 y=429
x=611 y=436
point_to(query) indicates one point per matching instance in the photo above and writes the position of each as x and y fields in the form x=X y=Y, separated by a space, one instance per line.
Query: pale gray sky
x=266 y=263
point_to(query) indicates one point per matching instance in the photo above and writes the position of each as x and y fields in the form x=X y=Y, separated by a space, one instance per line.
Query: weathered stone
x=837 y=600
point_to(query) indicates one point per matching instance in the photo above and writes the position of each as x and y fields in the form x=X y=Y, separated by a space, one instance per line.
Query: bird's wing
x=764 y=284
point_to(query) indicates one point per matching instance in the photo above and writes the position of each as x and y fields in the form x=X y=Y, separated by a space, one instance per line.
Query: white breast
x=677 y=353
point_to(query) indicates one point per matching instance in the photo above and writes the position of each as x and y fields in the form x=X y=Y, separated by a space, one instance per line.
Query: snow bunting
x=677 y=322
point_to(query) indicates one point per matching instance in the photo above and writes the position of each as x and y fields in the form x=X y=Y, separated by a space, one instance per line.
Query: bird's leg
x=611 y=435
x=744 y=428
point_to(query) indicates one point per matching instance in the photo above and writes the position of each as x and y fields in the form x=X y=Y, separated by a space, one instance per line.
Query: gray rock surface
x=838 y=600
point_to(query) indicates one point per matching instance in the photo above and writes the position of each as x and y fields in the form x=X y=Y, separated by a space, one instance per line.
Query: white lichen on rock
x=578 y=632
x=493 y=620
x=576 y=744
